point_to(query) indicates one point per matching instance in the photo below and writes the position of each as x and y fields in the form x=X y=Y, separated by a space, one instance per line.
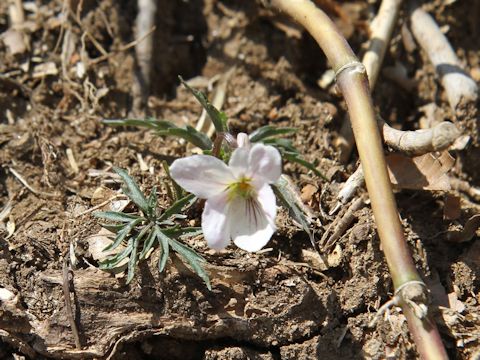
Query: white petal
x=264 y=162
x=215 y=222
x=250 y=226
x=243 y=140
x=239 y=161
x=202 y=175
x=268 y=201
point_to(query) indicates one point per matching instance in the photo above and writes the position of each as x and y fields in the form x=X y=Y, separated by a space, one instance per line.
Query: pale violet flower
x=241 y=205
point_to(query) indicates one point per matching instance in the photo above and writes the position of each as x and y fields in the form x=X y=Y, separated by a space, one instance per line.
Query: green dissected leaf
x=115 y=216
x=132 y=190
x=113 y=227
x=295 y=157
x=219 y=119
x=147 y=244
x=190 y=134
x=177 y=206
x=113 y=261
x=281 y=144
x=290 y=153
x=182 y=232
x=132 y=262
x=163 y=240
x=152 y=202
x=122 y=234
x=269 y=131
x=176 y=188
x=193 y=259
x=290 y=200
x=148 y=123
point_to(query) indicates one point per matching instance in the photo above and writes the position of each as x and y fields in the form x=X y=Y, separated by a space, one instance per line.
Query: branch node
x=354 y=66
x=415 y=295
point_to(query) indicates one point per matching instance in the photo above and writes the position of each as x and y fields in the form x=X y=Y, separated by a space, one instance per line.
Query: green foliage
x=148 y=230
x=269 y=131
x=219 y=118
x=268 y=135
x=166 y=128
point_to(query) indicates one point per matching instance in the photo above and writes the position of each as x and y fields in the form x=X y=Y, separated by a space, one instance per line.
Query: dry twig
x=461 y=90
x=33 y=190
x=353 y=83
x=381 y=32
x=145 y=21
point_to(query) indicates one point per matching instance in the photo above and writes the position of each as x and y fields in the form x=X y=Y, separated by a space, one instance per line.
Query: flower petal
x=239 y=161
x=243 y=140
x=251 y=226
x=268 y=201
x=264 y=163
x=202 y=175
x=215 y=222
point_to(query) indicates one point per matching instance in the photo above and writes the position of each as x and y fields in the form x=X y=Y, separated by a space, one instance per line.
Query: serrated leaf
x=115 y=216
x=163 y=240
x=219 y=119
x=113 y=261
x=122 y=234
x=147 y=123
x=269 y=131
x=193 y=259
x=288 y=199
x=296 y=158
x=190 y=134
x=177 y=206
x=132 y=190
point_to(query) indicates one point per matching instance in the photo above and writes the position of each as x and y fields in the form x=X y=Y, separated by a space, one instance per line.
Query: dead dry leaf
x=454 y=303
x=314 y=259
x=334 y=259
x=100 y=241
x=307 y=192
x=14 y=42
x=425 y=172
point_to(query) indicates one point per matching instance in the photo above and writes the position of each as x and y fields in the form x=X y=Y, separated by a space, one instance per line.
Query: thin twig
x=68 y=303
x=99 y=206
x=342 y=225
x=34 y=191
x=122 y=49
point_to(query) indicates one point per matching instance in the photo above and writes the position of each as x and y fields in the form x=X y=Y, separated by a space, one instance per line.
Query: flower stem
x=353 y=82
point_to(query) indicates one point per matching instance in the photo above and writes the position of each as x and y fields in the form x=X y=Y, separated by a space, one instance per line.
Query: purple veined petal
x=264 y=164
x=250 y=226
x=215 y=222
x=239 y=161
x=202 y=175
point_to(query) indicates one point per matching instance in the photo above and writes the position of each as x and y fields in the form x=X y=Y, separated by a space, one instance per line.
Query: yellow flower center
x=242 y=188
